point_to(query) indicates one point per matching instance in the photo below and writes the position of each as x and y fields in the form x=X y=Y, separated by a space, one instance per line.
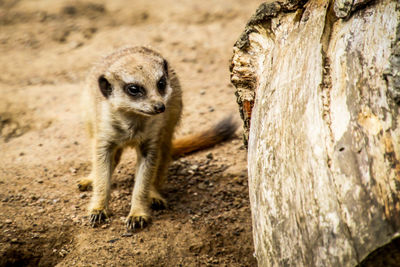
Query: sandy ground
x=47 y=48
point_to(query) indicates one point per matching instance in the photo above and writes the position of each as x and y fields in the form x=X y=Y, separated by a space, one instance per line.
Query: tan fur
x=201 y=140
x=117 y=119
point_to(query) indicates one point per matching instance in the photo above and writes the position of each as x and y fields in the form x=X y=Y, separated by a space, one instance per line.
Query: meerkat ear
x=105 y=86
x=165 y=65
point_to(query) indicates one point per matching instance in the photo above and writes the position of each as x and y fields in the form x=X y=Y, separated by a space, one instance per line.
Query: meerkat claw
x=158 y=204
x=85 y=185
x=81 y=187
x=133 y=223
x=97 y=218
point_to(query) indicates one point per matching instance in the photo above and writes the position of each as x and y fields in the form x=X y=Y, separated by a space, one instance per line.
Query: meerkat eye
x=134 y=90
x=162 y=84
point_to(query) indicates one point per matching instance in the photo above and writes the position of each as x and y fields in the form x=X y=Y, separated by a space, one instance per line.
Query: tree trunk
x=319 y=83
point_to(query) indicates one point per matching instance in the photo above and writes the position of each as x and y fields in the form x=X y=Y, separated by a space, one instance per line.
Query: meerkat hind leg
x=157 y=201
x=85 y=184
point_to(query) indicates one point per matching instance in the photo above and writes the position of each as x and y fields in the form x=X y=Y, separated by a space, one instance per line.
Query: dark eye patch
x=165 y=66
x=162 y=84
x=135 y=90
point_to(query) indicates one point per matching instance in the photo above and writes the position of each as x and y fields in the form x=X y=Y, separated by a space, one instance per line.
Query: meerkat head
x=137 y=82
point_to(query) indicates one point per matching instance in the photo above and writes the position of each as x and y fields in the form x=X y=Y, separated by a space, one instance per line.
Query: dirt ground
x=47 y=48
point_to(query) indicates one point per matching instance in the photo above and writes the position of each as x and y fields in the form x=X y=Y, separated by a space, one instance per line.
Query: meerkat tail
x=220 y=132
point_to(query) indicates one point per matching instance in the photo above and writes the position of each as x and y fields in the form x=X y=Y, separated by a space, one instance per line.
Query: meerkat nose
x=159 y=108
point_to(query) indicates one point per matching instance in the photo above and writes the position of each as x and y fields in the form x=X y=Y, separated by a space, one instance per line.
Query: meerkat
x=132 y=98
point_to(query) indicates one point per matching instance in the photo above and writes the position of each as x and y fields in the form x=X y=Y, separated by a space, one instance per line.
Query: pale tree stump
x=318 y=85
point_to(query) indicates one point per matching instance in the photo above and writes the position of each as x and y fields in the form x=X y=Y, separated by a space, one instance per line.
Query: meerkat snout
x=159 y=107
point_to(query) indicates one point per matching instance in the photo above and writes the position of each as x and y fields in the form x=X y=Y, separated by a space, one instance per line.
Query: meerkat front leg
x=146 y=167
x=85 y=184
x=103 y=155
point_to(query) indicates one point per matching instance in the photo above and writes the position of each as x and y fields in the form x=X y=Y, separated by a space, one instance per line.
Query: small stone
x=194 y=167
x=209 y=156
x=211 y=109
x=202 y=186
x=35 y=236
x=73 y=170
x=21 y=154
x=63 y=252
x=127 y=234
x=113 y=240
x=82 y=195
x=8 y=221
x=56 y=200
x=40 y=181
x=202 y=92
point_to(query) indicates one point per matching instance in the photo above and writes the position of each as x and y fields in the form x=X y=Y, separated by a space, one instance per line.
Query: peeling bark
x=344 y=8
x=318 y=87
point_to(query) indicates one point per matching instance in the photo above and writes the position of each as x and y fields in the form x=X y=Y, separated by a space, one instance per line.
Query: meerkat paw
x=97 y=216
x=85 y=184
x=137 y=221
x=157 y=202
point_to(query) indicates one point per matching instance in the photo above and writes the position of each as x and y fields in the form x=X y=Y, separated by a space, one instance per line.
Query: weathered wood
x=319 y=82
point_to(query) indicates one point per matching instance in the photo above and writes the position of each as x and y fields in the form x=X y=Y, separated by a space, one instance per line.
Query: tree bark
x=318 y=87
